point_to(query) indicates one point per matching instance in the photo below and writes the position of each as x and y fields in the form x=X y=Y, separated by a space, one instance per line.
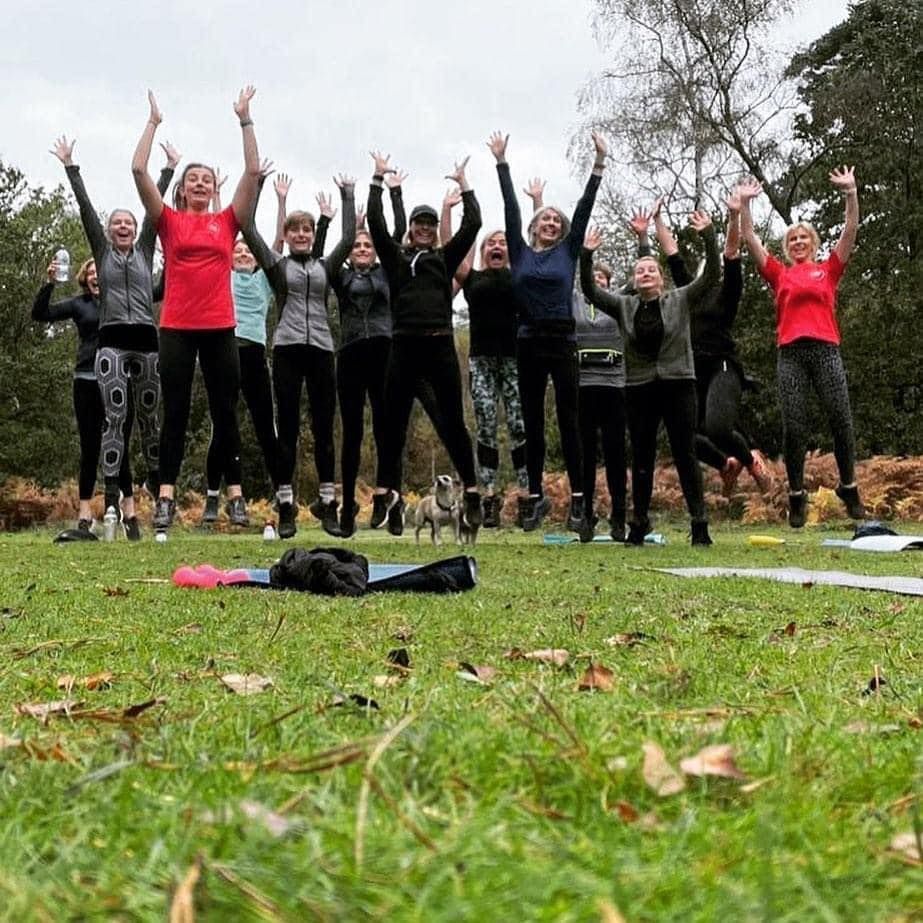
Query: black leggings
x=720 y=389
x=674 y=402
x=293 y=366
x=361 y=369
x=537 y=358
x=419 y=364
x=91 y=420
x=257 y=391
x=218 y=359
x=805 y=366
x=601 y=410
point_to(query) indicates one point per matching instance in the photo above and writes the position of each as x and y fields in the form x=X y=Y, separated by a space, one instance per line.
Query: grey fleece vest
x=303 y=319
x=599 y=346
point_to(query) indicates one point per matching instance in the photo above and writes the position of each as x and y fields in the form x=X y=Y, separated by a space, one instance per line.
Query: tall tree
x=694 y=95
x=862 y=93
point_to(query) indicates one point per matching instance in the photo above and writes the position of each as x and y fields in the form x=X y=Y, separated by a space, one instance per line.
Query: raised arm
x=511 y=214
x=394 y=181
x=844 y=179
x=701 y=223
x=679 y=271
x=577 y=233
x=347 y=187
x=607 y=302
x=245 y=195
x=463 y=241
x=42 y=308
x=150 y=195
x=325 y=214
x=147 y=237
x=535 y=190
x=220 y=180
x=746 y=192
x=266 y=258
x=452 y=198
x=282 y=185
x=386 y=248
x=92 y=226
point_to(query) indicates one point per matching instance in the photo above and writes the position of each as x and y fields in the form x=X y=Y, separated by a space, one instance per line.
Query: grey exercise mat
x=908 y=586
x=878 y=543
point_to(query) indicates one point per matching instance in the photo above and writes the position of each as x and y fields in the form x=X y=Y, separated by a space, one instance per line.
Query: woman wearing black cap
x=423 y=346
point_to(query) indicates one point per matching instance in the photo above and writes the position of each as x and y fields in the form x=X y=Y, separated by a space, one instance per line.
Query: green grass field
x=521 y=799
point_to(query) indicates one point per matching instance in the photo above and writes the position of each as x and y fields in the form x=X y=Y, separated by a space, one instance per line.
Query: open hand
x=748 y=189
x=395 y=178
x=282 y=185
x=639 y=222
x=154 y=116
x=382 y=166
x=593 y=239
x=458 y=174
x=452 y=198
x=599 y=143
x=325 y=205
x=63 y=149
x=535 y=188
x=844 y=178
x=242 y=106
x=173 y=155
x=497 y=143
x=700 y=220
x=344 y=182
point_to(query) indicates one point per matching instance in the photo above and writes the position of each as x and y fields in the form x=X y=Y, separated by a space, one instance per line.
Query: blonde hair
x=83 y=272
x=800 y=226
x=487 y=238
x=533 y=223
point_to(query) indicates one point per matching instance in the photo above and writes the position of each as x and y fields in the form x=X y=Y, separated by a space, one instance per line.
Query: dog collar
x=445 y=509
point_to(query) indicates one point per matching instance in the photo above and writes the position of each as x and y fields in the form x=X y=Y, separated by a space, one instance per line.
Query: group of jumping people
x=639 y=354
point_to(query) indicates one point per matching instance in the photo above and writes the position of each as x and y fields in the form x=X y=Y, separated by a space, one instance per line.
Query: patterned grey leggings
x=494 y=378
x=116 y=371
x=803 y=366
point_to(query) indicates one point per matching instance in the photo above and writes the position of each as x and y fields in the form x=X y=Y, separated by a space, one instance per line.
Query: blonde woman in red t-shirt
x=197 y=318
x=808 y=339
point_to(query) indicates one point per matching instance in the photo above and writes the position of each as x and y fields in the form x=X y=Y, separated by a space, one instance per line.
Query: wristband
x=245 y=122
x=378 y=177
x=599 y=166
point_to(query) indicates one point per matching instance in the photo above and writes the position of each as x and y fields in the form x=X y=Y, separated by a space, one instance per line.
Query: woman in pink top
x=197 y=318
x=809 y=341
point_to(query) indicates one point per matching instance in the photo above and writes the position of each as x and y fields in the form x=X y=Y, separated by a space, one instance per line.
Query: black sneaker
x=850 y=498
x=473 y=512
x=210 y=513
x=236 y=508
x=538 y=509
x=523 y=509
x=287 y=527
x=327 y=514
x=164 y=510
x=381 y=506
x=348 y=518
x=617 y=529
x=576 y=515
x=492 y=506
x=797 y=509
x=132 y=529
x=700 y=534
x=637 y=531
x=85 y=525
x=396 y=518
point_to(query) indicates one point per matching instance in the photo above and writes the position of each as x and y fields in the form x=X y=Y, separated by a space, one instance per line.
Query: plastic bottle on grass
x=110 y=521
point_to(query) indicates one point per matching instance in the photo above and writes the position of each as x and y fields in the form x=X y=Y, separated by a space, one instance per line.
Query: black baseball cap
x=424 y=211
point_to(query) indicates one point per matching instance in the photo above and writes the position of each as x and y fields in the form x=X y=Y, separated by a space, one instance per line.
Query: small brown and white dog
x=438 y=509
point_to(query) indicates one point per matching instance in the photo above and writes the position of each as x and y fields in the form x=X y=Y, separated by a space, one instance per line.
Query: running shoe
x=797 y=509
x=381 y=506
x=492 y=506
x=236 y=508
x=637 y=531
x=473 y=512
x=132 y=529
x=348 y=518
x=850 y=497
x=210 y=513
x=396 y=518
x=700 y=534
x=85 y=525
x=326 y=512
x=164 y=510
x=536 y=510
x=287 y=527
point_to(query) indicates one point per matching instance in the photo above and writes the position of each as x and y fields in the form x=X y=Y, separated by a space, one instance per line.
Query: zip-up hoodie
x=300 y=282
x=364 y=303
x=125 y=289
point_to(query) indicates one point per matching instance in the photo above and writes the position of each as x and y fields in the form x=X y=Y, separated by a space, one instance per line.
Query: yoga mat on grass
x=877 y=543
x=460 y=573
x=906 y=586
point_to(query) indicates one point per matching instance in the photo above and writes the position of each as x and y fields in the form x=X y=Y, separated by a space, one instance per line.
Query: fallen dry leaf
x=114 y=591
x=514 y=653
x=476 y=674
x=758 y=783
x=627 y=812
x=716 y=760
x=101 y=680
x=658 y=773
x=628 y=639
x=246 y=683
x=597 y=677
x=608 y=912
x=907 y=845
x=385 y=680
x=556 y=655
x=182 y=907
x=116 y=714
x=193 y=628
x=867 y=727
x=45 y=710
x=54 y=753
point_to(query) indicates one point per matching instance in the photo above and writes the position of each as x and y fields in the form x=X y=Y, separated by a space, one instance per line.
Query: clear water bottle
x=63 y=272
x=160 y=537
x=269 y=531
x=110 y=521
x=655 y=538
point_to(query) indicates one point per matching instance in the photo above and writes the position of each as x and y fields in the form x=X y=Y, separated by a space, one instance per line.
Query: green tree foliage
x=36 y=364
x=863 y=104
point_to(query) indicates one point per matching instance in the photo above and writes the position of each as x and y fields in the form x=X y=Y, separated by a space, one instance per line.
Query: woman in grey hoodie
x=660 y=373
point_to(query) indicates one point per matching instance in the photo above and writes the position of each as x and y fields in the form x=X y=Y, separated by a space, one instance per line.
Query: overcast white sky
x=422 y=80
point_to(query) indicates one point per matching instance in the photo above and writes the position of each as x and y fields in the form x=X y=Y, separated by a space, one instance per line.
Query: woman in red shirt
x=197 y=318
x=809 y=341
